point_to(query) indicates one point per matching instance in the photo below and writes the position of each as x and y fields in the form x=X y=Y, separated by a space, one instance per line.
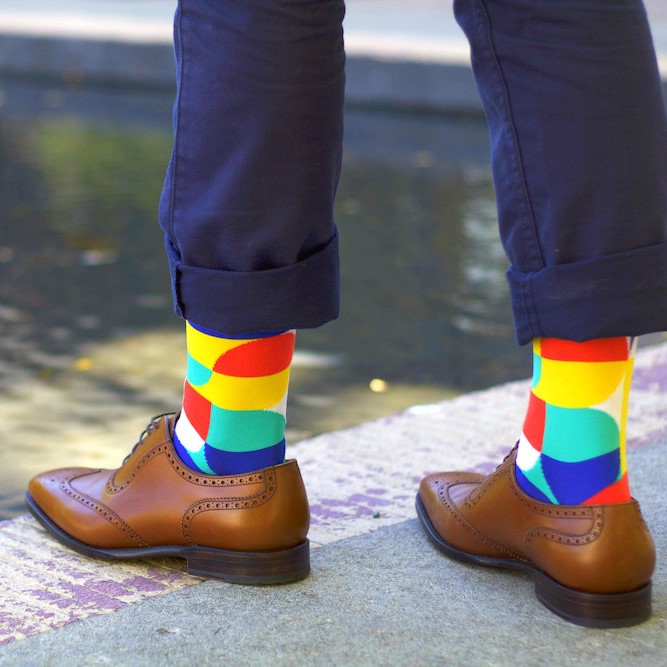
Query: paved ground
x=378 y=594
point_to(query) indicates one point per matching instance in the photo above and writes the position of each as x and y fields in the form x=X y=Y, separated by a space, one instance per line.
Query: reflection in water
x=483 y=290
x=81 y=259
x=425 y=304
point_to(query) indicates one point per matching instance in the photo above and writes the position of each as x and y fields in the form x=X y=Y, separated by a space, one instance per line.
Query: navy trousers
x=579 y=148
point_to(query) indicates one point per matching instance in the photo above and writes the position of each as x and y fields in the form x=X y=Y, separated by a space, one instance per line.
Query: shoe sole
x=237 y=567
x=591 y=610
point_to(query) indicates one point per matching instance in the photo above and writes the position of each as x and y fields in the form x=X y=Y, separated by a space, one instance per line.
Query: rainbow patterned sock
x=234 y=402
x=572 y=449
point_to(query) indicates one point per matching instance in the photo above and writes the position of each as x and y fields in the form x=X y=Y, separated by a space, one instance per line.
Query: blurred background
x=89 y=347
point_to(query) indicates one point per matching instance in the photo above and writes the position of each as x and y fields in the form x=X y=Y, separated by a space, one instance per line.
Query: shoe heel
x=594 y=610
x=251 y=567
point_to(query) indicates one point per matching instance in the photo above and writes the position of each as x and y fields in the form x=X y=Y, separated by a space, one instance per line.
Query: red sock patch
x=258 y=358
x=603 y=349
x=533 y=426
x=618 y=492
x=198 y=410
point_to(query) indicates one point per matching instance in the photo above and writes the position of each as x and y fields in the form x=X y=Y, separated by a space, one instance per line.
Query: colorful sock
x=234 y=402
x=572 y=449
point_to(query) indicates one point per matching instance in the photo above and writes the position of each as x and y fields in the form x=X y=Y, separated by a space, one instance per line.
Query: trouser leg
x=579 y=148
x=247 y=207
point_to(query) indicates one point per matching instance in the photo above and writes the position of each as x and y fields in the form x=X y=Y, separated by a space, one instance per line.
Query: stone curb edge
x=372 y=81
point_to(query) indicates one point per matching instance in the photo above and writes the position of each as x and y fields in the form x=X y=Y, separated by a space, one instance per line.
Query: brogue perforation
x=214 y=504
x=101 y=509
x=450 y=506
x=201 y=480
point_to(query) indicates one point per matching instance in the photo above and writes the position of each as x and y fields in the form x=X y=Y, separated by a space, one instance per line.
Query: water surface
x=84 y=291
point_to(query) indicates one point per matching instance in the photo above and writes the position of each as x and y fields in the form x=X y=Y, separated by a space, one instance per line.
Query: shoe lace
x=152 y=425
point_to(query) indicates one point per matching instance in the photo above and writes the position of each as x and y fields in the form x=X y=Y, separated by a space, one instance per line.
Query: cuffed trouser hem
x=623 y=294
x=300 y=296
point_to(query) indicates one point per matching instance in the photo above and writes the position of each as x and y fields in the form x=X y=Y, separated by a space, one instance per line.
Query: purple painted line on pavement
x=653 y=377
x=50 y=586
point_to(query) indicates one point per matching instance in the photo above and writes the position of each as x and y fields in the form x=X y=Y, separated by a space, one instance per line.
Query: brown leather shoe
x=248 y=528
x=592 y=564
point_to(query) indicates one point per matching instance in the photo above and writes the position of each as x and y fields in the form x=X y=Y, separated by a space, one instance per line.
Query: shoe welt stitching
x=217 y=504
x=101 y=509
x=187 y=474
